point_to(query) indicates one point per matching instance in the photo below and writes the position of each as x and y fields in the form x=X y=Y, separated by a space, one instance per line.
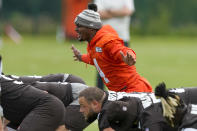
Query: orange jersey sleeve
x=114 y=48
x=86 y=59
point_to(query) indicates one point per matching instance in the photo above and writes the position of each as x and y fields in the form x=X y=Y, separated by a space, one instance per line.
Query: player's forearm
x=1 y=125
x=121 y=12
x=104 y=14
x=107 y=14
x=108 y=129
x=86 y=59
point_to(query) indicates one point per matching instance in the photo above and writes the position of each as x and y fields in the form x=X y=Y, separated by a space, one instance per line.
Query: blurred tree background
x=162 y=17
x=32 y=16
x=166 y=17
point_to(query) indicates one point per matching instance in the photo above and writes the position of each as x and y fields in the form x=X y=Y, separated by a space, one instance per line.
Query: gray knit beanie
x=89 y=18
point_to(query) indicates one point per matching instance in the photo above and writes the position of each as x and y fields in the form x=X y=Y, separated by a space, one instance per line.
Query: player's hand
x=77 y=54
x=4 y=124
x=128 y=58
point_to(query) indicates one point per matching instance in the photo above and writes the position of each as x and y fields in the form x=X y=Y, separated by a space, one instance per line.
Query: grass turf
x=169 y=59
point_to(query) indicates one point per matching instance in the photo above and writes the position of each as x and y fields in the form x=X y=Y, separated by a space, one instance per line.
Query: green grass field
x=169 y=59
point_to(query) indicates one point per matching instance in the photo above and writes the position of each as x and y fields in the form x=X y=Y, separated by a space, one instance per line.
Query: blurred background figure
x=12 y=33
x=116 y=13
x=0 y=3
x=0 y=19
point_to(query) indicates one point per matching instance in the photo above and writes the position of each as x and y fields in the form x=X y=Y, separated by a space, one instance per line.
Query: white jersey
x=147 y=99
x=189 y=129
x=120 y=24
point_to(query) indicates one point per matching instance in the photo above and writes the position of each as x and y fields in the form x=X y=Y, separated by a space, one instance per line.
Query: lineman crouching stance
x=66 y=87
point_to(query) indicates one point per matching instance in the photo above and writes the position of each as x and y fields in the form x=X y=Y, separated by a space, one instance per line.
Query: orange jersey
x=104 y=53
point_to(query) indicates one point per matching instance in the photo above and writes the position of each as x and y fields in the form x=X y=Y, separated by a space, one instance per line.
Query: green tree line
x=164 y=16
x=151 y=16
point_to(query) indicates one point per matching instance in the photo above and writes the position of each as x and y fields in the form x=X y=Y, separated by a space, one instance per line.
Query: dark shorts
x=74 y=120
x=187 y=94
x=49 y=78
x=46 y=116
x=60 y=90
x=31 y=108
x=61 y=78
x=191 y=95
x=74 y=79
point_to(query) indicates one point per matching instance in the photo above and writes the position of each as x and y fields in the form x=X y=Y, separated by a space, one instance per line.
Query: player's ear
x=95 y=104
